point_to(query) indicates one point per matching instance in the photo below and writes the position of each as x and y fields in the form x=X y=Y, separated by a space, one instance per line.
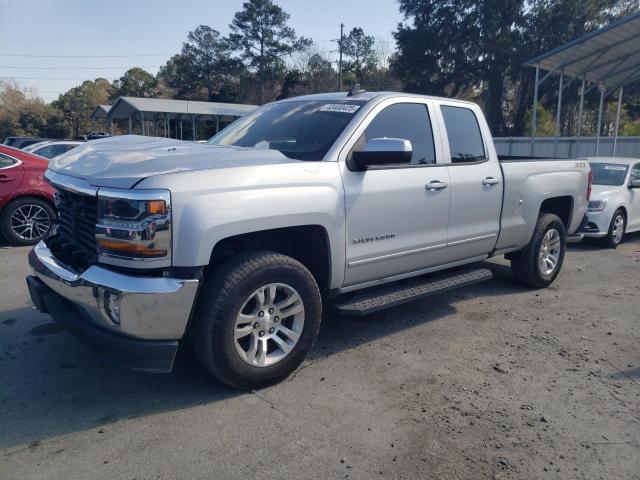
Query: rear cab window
x=463 y=132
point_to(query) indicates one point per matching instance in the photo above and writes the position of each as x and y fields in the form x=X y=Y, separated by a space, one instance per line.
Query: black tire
x=20 y=203
x=525 y=265
x=612 y=240
x=220 y=300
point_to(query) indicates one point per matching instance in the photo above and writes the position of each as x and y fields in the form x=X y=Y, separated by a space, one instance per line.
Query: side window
x=409 y=121
x=463 y=131
x=6 y=161
x=635 y=173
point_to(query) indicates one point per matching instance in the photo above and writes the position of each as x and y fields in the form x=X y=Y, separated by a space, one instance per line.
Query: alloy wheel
x=269 y=325
x=30 y=222
x=550 y=249
x=618 y=228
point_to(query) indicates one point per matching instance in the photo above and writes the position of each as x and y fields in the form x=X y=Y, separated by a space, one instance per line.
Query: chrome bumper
x=147 y=308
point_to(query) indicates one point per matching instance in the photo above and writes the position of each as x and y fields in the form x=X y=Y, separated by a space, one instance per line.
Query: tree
x=136 y=82
x=358 y=48
x=204 y=68
x=260 y=34
x=22 y=112
x=76 y=104
x=459 y=48
x=476 y=49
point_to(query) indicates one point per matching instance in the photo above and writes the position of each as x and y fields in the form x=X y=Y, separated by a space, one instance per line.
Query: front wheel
x=539 y=263
x=256 y=318
x=616 y=230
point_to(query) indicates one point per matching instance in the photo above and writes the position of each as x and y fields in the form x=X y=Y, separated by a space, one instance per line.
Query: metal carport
x=608 y=59
x=154 y=110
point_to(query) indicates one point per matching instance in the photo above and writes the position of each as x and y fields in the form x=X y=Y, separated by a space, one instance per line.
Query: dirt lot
x=496 y=381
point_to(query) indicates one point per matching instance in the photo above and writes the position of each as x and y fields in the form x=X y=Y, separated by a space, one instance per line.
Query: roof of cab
x=366 y=96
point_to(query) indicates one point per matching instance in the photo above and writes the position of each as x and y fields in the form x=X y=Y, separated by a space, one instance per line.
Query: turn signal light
x=157 y=207
x=116 y=246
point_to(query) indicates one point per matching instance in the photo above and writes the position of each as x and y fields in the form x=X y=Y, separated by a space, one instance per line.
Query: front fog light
x=111 y=305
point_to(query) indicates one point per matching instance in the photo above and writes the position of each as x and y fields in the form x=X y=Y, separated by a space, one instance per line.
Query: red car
x=27 y=210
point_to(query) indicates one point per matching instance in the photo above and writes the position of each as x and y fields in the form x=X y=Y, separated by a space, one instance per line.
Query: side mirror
x=382 y=151
x=634 y=184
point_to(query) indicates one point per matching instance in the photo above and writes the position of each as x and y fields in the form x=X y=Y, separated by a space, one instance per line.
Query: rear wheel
x=26 y=220
x=256 y=319
x=539 y=263
x=616 y=230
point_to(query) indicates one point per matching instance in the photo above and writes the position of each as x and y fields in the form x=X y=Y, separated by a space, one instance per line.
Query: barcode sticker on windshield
x=339 y=107
x=614 y=167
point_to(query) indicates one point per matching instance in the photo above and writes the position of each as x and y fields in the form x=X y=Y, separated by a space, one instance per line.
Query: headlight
x=134 y=224
x=597 y=205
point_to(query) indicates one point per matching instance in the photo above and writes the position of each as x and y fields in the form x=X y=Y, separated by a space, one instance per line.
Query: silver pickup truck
x=355 y=200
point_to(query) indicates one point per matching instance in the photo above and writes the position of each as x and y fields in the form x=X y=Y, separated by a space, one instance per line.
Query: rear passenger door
x=476 y=181
x=395 y=222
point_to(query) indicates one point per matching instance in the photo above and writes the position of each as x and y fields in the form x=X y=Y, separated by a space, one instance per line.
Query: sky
x=53 y=45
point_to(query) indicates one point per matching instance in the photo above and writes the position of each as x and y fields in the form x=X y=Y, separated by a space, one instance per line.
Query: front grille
x=74 y=242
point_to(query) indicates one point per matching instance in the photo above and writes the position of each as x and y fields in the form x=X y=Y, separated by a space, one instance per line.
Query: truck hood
x=121 y=162
x=602 y=192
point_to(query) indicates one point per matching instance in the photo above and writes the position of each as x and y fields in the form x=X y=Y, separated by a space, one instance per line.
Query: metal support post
x=600 y=119
x=534 y=113
x=615 y=138
x=558 y=112
x=580 y=112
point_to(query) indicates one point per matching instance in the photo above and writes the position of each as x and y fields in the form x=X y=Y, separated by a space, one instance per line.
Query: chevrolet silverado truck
x=358 y=201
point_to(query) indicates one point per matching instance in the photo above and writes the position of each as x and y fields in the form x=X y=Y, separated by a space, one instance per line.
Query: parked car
x=52 y=148
x=614 y=208
x=21 y=142
x=354 y=200
x=96 y=135
x=27 y=211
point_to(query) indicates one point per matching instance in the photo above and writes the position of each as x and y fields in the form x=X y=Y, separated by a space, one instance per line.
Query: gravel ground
x=494 y=381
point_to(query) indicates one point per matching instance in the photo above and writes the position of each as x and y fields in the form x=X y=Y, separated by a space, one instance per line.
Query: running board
x=379 y=299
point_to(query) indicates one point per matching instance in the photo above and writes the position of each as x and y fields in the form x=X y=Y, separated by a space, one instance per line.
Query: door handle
x=5 y=178
x=487 y=182
x=436 y=185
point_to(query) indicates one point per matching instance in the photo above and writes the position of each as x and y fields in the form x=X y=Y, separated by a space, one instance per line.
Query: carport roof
x=125 y=107
x=100 y=111
x=609 y=55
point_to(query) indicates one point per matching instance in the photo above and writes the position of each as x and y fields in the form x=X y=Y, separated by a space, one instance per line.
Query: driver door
x=395 y=222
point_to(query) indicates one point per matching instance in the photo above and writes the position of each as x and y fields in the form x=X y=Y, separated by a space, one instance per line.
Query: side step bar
x=379 y=299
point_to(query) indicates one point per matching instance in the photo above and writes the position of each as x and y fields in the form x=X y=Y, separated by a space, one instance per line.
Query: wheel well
x=624 y=211
x=560 y=206
x=309 y=244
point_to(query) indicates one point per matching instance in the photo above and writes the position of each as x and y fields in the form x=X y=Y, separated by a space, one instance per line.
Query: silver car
x=614 y=208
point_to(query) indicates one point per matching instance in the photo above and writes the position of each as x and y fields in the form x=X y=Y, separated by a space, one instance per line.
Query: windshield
x=612 y=174
x=302 y=130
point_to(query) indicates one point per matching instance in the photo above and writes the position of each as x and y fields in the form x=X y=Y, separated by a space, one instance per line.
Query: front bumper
x=131 y=320
x=596 y=226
